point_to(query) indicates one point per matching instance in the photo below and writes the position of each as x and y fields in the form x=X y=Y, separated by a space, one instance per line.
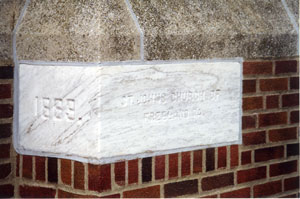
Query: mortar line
x=140 y=167
x=179 y=164
x=153 y=169
x=33 y=168
x=86 y=176
x=59 y=171
x=166 y=167
x=126 y=173
x=72 y=174
x=112 y=176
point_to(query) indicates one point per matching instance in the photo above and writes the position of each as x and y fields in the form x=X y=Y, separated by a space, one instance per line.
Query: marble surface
x=105 y=113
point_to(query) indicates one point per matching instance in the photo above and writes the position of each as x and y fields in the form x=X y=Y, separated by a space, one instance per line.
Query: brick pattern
x=264 y=165
x=7 y=164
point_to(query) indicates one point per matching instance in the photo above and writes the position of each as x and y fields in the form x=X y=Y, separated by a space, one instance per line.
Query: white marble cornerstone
x=102 y=114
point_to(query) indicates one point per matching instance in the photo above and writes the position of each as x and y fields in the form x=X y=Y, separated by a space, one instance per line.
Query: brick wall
x=266 y=164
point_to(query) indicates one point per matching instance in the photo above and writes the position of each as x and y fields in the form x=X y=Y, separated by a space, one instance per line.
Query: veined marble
x=109 y=113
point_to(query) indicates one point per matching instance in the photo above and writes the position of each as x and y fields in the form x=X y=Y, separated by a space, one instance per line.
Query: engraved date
x=56 y=109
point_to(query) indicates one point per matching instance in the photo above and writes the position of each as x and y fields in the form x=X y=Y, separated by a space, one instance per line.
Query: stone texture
x=6 y=28
x=105 y=31
x=85 y=31
x=163 y=103
x=216 y=28
x=293 y=6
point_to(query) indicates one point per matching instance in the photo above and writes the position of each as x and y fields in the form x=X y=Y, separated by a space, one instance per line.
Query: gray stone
x=215 y=29
x=6 y=27
x=85 y=31
x=293 y=6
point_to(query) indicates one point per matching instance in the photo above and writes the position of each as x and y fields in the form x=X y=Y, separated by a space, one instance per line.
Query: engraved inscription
x=56 y=109
x=172 y=97
x=172 y=115
x=163 y=98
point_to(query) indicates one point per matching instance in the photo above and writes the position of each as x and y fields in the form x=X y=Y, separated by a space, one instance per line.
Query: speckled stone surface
x=85 y=31
x=96 y=31
x=6 y=27
x=196 y=29
x=293 y=5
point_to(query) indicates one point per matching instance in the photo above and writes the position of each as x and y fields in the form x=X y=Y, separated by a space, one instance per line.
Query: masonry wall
x=266 y=164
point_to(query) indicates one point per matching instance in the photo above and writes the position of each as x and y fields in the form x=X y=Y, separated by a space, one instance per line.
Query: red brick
x=249 y=86
x=294 y=117
x=246 y=157
x=4 y=151
x=176 y=189
x=240 y=193
x=294 y=83
x=65 y=170
x=285 y=66
x=120 y=173
x=222 y=157
x=254 y=138
x=251 y=174
x=290 y=100
x=40 y=168
x=272 y=101
x=267 y=189
x=64 y=194
x=148 y=192
x=99 y=177
x=248 y=122
x=27 y=166
x=277 y=135
x=292 y=149
x=5 y=170
x=52 y=170
x=185 y=163
x=257 y=68
x=160 y=167
x=270 y=153
x=5 y=91
x=283 y=168
x=275 y=84
x=291 y=183
x=197 y=164
x=36 y=192
x=234 y=155
x=6 y=191
x=215 y=182
x=78 y=175
x=173 y=165
x=5 y=130
x=210 y=159
x=6 y=110
x=269 y=119
x=146 y=169
x=133 y=171
x=6 y=72
x=252 y=103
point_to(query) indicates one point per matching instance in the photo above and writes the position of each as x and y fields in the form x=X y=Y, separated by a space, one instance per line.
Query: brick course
x=264 y=165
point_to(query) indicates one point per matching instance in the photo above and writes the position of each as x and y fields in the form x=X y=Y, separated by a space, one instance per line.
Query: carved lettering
x=56 y=109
